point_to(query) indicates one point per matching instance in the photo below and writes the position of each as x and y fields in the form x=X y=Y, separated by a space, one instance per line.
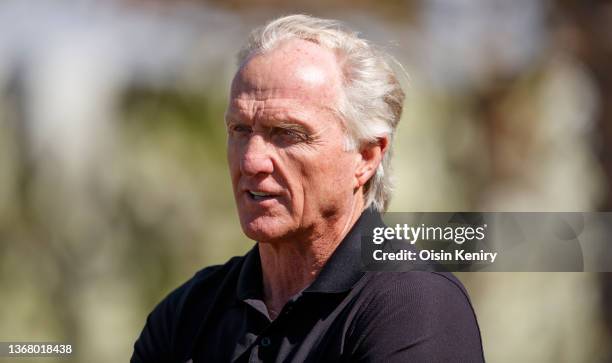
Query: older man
x=310 y=120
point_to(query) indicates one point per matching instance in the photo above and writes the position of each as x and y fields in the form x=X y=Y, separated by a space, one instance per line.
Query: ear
x=370 y=157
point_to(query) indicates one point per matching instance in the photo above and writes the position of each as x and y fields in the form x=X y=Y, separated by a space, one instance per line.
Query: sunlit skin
x=297 y=190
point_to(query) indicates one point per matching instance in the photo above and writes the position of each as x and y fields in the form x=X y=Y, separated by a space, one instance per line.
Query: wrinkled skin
x=297 y=190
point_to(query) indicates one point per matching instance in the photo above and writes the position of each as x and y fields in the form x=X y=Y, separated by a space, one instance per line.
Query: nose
x=256 y=158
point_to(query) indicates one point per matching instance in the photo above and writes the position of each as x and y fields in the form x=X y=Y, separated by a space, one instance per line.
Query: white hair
x=372 y=101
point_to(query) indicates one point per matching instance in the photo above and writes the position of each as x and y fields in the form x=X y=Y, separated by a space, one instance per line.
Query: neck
x=290 y=267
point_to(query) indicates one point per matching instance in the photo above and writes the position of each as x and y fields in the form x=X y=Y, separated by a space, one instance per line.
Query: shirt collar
x=250 y=285
x=339 y=274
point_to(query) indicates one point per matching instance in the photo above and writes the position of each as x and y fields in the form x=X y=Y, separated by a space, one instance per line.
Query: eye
x=239 y=129
x=288 y=135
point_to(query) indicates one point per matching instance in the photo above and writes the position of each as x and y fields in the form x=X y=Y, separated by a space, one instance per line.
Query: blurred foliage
x=196 y=117
x=396 y=10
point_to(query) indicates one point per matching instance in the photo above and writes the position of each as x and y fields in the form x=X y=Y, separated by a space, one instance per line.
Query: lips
x=258 y=195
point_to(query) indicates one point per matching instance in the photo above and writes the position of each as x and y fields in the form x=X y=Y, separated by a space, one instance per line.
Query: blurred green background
x=114 y=187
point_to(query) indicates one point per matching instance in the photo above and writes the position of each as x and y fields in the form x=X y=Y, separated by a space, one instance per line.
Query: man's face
x=290 y=173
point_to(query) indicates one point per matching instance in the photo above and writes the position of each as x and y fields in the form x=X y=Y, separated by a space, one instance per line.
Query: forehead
x=296 y=72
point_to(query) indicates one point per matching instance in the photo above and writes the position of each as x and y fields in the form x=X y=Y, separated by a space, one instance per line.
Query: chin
x=264 y=228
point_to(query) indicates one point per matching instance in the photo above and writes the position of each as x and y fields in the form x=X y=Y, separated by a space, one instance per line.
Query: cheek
x=233 y=156
x=339 y=164
x=330 y=176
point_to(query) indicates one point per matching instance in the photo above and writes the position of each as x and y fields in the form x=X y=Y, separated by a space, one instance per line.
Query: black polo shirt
x=345 y=315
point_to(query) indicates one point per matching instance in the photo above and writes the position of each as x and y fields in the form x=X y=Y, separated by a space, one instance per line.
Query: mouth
x=256 y=195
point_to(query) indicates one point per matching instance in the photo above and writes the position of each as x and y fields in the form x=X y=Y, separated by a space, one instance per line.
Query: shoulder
x=211 y=276
x=416 y=284
x=204 y=281
x=413 y=286
x=199 y=291
x=420 y=312
x=177 y=315
x=430 y=294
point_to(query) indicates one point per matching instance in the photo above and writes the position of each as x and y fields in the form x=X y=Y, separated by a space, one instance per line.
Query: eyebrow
x=285 y=122
x=293 y=126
